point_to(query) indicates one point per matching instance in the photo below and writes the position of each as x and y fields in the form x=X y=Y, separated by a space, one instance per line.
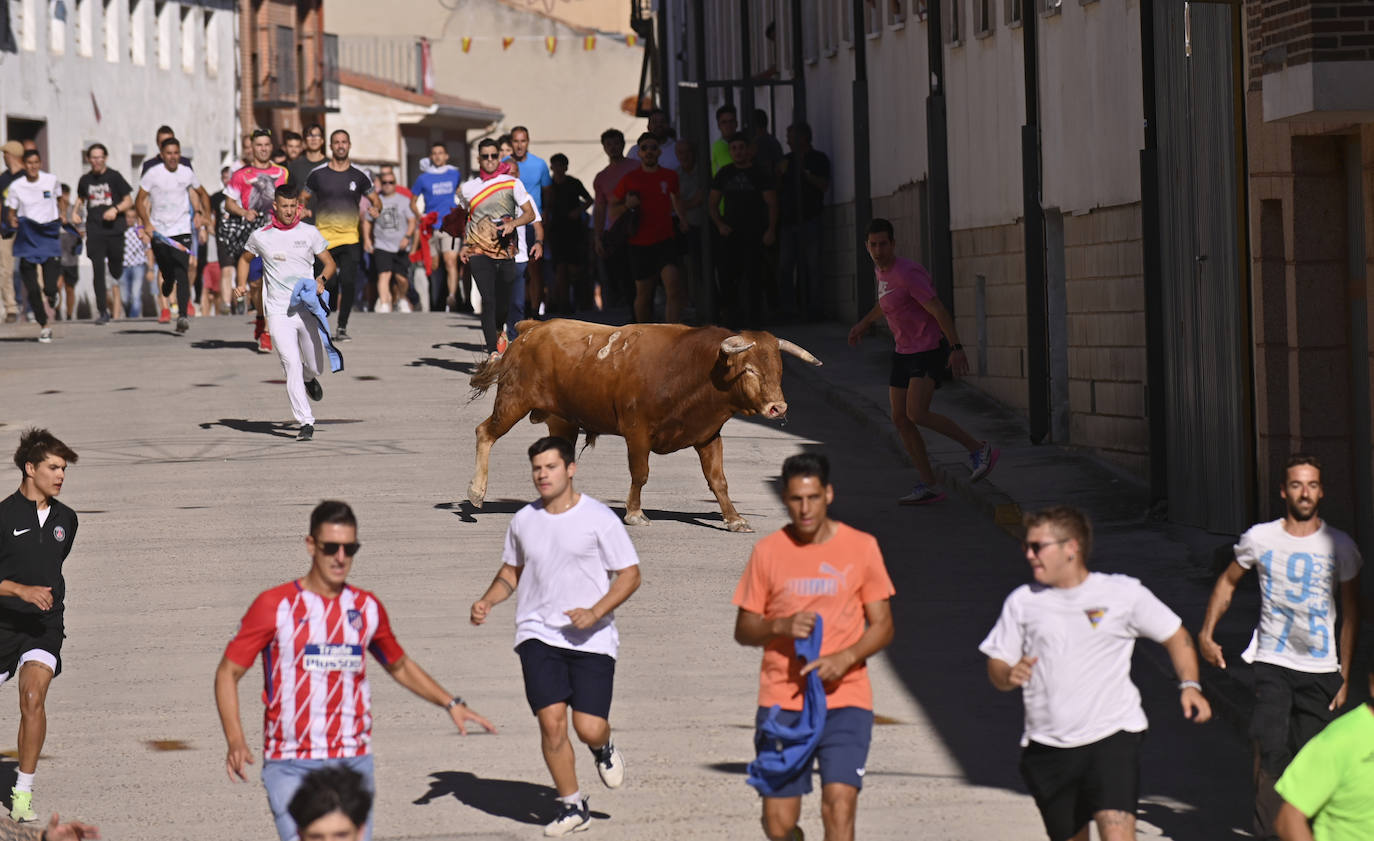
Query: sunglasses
x=332 y=548
x=648 y=148
x=495 y=157
x=1036 y=545
x=262 y=132
x=384 y=181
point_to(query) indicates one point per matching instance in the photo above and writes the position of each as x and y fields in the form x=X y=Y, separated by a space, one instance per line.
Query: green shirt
x=720 y=155
x=1331 y=778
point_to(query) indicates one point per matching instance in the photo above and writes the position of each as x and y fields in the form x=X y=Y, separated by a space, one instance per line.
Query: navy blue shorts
x=581 y=679
x=841 y=753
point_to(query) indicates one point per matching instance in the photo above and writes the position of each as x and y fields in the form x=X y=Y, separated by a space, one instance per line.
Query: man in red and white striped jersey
x=312 y=633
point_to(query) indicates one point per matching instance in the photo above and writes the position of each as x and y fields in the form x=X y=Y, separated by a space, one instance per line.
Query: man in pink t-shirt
x=927 y=353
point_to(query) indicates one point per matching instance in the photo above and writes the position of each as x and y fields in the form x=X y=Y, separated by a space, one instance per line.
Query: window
x=896 y=11
x=810 y=34
x=1014 y=13
x=27 y=25
x=163 y=21
x=57 y=27
x=954 y=25
x=922 y=10
x=846 y=16
x=85 y=34
x=189 y=25
x=138 y=31
x=825 y=20
x=984 y=23
x=212 y=25
x=109 y=20
x=873 y=18
x=1049 y=7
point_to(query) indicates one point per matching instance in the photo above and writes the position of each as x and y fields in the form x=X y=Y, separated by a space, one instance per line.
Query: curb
x=992 y=501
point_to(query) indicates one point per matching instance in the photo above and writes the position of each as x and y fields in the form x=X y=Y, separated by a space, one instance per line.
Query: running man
x=32 y=208
x=1066 y=642
x=497 y=207
x=388 y=240
x=1301 y=667
x=815 y=568
x=920 y=362
x=1329 y=782
x=288 y=250
x=248 y=196
x=437 y=188
x=163 y=207
x=533 y=172
x=36 y=535
x=334 y=191
x=653 y=246
x=107 y=195
x=576 y=561
x=312 y=633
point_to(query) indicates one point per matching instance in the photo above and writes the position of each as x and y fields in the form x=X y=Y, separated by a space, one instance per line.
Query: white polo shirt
x=287 y=254
x=34 y=200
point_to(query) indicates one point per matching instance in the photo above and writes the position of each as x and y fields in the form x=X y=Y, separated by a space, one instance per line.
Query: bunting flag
x=589 y=43
x=550 y=44
x=506 y=42
x=631 y=40
x=467 y=44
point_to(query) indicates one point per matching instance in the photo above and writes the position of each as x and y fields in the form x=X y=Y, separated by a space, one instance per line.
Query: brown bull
x=663 y=387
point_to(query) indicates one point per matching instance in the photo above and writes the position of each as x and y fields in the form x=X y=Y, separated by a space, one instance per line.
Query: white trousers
x=302 y=358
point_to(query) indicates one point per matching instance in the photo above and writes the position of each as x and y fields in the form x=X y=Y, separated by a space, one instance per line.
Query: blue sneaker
x=922 y=494
x=570 y=819
x=980 y=463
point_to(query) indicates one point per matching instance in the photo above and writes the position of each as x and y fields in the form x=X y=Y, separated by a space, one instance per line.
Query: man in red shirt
x=653 y=191
x=311 y=633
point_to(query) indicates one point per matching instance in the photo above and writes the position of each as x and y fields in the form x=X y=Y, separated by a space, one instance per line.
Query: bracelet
x=456 y=701
x=1189 y=684
x=958 y=346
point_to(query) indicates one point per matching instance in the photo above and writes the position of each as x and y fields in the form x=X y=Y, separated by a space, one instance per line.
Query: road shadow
x=9 y=774
x=222 y=344
x=168 y=333
x=707 y=521
x=33 y=339
x=513 y=800
x=472 y=346
x=276 y=429
x=467 y=512
x=455 y=365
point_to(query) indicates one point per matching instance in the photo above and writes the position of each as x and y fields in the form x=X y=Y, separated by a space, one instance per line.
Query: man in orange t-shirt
x=816 y=566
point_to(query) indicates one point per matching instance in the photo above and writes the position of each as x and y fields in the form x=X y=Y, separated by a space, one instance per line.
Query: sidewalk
x=1180 y=564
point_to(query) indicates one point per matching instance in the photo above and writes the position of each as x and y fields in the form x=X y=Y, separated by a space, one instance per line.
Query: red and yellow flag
x=550 y=43
x=467 y=44
x=506 y=42
x=631 y=40
x=589 y=42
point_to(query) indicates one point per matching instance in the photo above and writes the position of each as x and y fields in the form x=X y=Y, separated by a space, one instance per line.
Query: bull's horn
x=735 y=344
x=798 y=351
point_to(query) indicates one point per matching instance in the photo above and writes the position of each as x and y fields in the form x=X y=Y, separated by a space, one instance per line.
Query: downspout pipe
x=1037 y=295
x=940 y=260
x=1156 y=399
x=865 y=291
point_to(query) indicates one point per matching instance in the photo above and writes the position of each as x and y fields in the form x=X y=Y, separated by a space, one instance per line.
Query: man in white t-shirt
x=1304 y=566
x=31 y=204
x=577 y=565
x=161 y=203
x=1066 y=641
x=288 y=249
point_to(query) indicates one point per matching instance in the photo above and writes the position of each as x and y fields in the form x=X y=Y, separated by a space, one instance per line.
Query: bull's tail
x=488 y=372
x=591 y=441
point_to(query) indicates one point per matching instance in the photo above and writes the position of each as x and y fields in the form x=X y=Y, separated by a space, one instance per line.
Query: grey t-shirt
x=390 y=225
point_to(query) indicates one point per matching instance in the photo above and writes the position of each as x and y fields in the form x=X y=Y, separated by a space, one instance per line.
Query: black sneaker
x=103 y=318
x=183 y=325
x=570 y=819
x=341 y=335
x=314 y=389
x=307 y=432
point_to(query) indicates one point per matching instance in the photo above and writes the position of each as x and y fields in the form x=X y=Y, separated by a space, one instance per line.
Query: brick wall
x=993 y=335
x=1287 y=33
x=1105 y=291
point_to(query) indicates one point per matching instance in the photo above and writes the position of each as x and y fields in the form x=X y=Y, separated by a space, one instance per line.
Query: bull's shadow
x=455 y=365
x=514 y=800
x=467 y=512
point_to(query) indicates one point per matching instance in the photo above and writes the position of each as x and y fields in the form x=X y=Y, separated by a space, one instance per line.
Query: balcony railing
x=399 y=60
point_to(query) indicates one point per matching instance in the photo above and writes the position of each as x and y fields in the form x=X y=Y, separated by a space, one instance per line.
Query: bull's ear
x=735 y=344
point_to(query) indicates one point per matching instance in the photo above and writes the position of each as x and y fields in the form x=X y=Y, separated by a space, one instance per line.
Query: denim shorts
x=282 y=778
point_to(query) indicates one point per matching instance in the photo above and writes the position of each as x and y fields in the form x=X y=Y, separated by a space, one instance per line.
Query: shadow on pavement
x=742 y=768
x=447 y=364
x=707 y=521
x=467 y=512
x=472 y=346
x=220 y=344
x=514 y=800
x=277 y=429
x=168 y=333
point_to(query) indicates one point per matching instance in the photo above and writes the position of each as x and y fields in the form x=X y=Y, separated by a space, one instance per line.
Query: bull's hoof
x=476 y=495
x=636 y=518
x=740 y=525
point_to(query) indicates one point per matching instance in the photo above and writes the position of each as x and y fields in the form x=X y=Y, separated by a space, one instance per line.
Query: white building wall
x=1091 y=105
x=97 y=78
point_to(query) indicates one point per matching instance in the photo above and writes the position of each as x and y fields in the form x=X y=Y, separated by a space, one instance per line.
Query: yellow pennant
x=550 y=43
x=631 y=40
x=589 y=43
x=506 y=42
x=467 y=44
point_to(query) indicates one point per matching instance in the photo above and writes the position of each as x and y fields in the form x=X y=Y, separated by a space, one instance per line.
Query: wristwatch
x=456 y=701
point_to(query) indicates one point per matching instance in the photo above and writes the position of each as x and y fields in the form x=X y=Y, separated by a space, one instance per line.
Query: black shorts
x=1070 y=785
x=396 y=262
x=932 y=363
x=18 y=638
x=554 y=675
x=1290 y=708
x=646 y=261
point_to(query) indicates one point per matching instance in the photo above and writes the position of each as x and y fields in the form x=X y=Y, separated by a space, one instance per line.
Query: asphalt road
x=194 y=497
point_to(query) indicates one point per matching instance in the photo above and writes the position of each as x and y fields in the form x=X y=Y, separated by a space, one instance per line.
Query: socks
x=574 y=799
x=24 y=782
x=602 y=752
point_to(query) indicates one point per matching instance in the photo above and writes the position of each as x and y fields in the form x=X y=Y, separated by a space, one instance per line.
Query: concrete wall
x=993 y=332
x=566 y=100
x=373 y=124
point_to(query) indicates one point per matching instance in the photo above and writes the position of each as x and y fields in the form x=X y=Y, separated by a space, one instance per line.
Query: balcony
x=297 y=73
x=398 y=60
x=321 y=94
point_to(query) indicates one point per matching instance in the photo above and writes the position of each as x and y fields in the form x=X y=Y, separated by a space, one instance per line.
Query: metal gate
x=1206 y=329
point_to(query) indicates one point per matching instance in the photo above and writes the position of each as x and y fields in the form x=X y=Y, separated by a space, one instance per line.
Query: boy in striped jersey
x=312 y=633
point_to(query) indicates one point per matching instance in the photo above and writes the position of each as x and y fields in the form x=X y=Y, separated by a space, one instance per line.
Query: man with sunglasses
x=497 y=206
x=1066 y=641
x=653 y=245
x=312 y=633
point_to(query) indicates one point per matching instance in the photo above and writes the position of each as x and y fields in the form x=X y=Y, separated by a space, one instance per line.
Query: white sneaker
x=404 y=306
x=610 y=765
x=570 y=819
x=381 y=307
x=922 y=494
x=45 y=335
